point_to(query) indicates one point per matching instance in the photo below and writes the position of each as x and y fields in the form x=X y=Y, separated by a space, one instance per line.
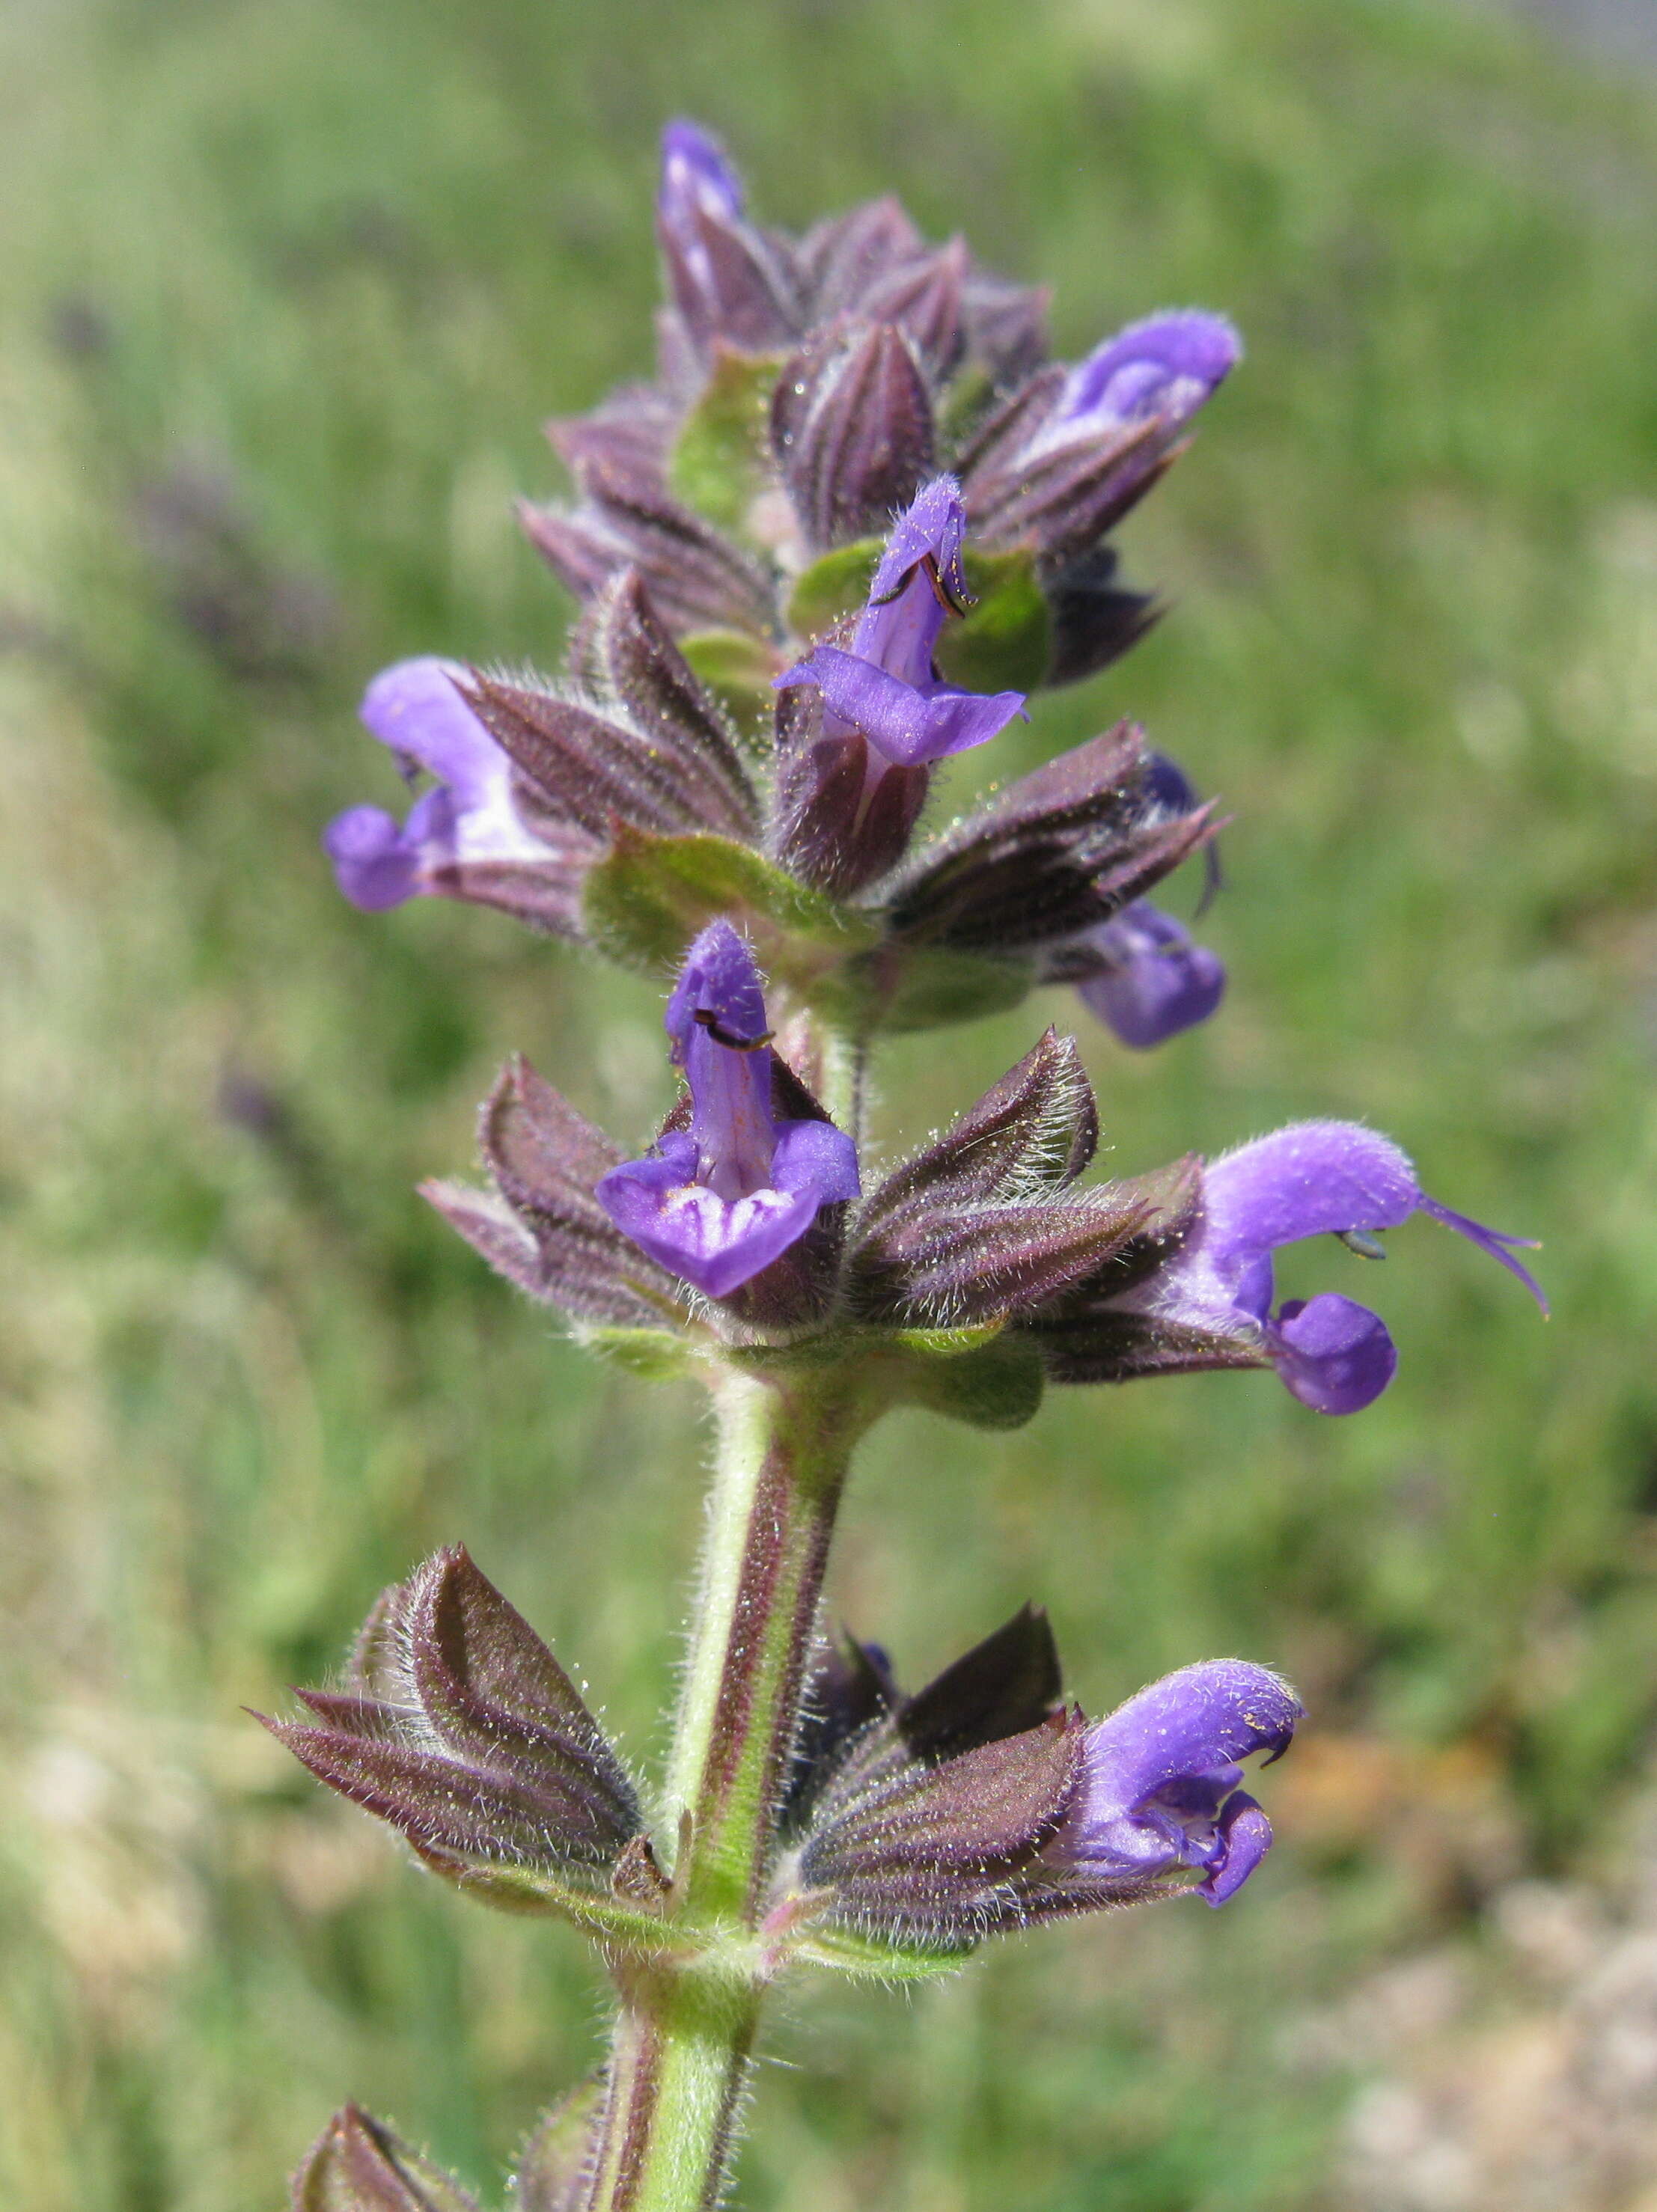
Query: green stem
x=672 y=2095
x=684 y=2036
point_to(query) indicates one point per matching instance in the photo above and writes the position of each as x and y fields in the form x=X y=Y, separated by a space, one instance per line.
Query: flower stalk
x=784 y=1449
x=684 y=2034
x=673 y=2090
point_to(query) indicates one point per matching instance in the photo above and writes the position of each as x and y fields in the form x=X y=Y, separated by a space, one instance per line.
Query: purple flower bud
x=1154 y=980
x=698 y=578
x=843 y=256
x=463 y=839
x=885 y=687
x=926 y=299
x=1165 y=366
x=1065 y=457
x=545 y=1232
x=873 y=264
x=729 y=280
x=1158 y=1790
x=1005 y=326
x=718 y=1201
x=1314 y=1178
x=982 y=1221
x=629 y=435
x=1096 y=617
x=1053 y=856
x=696 y=177
x=555 y=2167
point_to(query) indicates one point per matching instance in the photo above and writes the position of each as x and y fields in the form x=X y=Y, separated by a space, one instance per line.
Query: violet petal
x=1245 y=1836
x=414 y=707
x=1332 y=1353
x=714 y=1243
x=1160 y=981
x=908 y=723
x=815 y=1155
x=374 y=863
x=1167 y=364
x=1201 y=1717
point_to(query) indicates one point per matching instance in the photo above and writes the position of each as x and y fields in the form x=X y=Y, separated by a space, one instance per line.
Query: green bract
x=722 y=459
x=645 y=903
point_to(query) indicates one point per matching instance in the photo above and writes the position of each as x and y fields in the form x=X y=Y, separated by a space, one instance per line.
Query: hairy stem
x=684 y=2036
x=672 y=2093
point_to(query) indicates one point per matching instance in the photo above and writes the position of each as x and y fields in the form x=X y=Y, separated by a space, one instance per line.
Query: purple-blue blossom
x=718 y=1201
x=1155 y=979
x=700 y=199
x=1165 y=366
x=1160 y=1787
x=884 y=685
x=731 y=285
x=467 y=819
x=696 y=177
x=1311 y=1178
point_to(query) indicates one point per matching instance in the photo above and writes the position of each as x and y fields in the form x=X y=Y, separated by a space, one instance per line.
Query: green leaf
x=1004 y=643
x=644 y=903
x=928 y=988
x=834 y=586
x=721 y=460
x=653 y=1355
x=946 y=1343
x=968 y=400
x=998 y=1386
x=600 y=1913
x=870 y=1958
x=737 y=670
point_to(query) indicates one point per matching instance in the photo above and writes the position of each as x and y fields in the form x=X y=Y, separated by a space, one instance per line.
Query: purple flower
x=467 y=820
x=1159 y=1788
x=1062 y=460
x=695 y=179
x=1164 y=367
x=885 y=686
x=1155 y=980
x=719 y=1201
x=1313 y=1179
x=730 y=284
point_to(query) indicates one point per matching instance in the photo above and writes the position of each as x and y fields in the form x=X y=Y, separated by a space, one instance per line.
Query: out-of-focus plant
x=856 y=519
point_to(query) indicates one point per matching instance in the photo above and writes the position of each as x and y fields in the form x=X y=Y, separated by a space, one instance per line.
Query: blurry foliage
x=289 y=291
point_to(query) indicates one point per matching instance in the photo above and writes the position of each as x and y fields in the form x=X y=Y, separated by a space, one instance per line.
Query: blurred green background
x=287 y=290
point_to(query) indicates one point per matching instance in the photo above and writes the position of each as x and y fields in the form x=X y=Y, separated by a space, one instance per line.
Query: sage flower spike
x=885 y=687
x=724 y=1196
x=1313 y=1178
x=1158 y=1790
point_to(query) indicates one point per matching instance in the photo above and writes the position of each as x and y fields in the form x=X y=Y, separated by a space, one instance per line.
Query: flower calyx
x=458 y=1727
x=358 y=2164
x=919 y=1824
